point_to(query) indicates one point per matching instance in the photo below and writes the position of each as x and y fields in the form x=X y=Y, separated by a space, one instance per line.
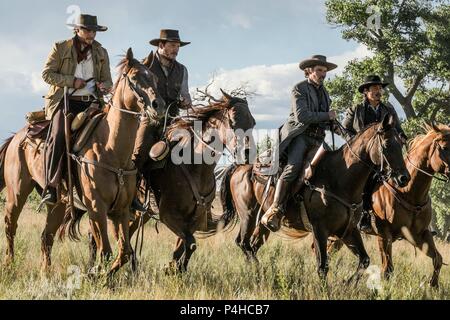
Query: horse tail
x=71 y=224
x=3 y=149
x=228 y=220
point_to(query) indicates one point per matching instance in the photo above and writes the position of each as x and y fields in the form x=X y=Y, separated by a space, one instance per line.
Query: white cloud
x=240 y=20
x=20 y=70
x=273 y=84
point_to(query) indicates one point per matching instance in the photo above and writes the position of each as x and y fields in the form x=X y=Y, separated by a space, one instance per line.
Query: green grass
x=217 y=270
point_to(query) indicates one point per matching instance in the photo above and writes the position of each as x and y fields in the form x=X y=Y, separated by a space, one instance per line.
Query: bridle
x=214 y=151
x=436 y=146
x=140 y=116
x=383 y=158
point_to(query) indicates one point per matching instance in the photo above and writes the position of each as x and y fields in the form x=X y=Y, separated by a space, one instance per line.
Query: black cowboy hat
x=88 y=22
x=169 y=35
x=317 y=60
x=372 y=80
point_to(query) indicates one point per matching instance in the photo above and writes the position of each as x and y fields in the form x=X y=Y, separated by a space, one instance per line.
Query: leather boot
x=272 y=218
x=365 y=224
x=49 y=197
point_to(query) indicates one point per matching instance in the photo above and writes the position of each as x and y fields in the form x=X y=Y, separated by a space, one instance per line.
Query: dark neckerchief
x=81 y=53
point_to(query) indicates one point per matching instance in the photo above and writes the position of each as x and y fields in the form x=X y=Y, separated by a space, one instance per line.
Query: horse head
x=385 y=151
x=239 y=140
x=137 y=87
x=439 y=153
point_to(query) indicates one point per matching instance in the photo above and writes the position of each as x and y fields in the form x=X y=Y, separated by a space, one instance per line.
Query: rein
x=426 y=173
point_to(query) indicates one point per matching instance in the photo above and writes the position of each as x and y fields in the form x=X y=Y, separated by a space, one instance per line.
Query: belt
x=315 y=132
x=83 y=98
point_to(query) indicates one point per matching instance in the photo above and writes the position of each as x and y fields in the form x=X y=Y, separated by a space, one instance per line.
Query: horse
x=184 y=191
x=105 y=175
x=332 y=199
x=405 y=213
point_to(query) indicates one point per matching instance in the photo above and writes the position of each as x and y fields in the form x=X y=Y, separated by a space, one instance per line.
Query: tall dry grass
x=217 y=270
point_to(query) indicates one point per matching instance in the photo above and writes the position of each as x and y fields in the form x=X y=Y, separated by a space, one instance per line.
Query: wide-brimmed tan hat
x=317 y=60
x=88 y=22
x=169 y=35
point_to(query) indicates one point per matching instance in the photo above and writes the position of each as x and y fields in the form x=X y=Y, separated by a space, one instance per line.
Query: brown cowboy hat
x=88 y=22
x=169 y=35
x=372 y=80
x=317 y=60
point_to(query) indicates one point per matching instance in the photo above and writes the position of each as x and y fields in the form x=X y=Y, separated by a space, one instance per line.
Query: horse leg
x=92 y=250
x=55 y=217
x=425 y=243
x=385 y=246
x=244 y=236
x=15 y=200
x=190 y=246
x=121 y=226
x=320 y=245
x=259 y=237
x=355 y=243
x=178 y=253
x=99 y=229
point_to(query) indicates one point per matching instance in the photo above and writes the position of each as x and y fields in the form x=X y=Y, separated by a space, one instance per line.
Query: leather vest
x=169 y=87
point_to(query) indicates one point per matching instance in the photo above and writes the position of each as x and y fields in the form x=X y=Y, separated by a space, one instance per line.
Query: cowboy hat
x=317 y=60
x=169 y=35
x=372 y=80
x=88 y=22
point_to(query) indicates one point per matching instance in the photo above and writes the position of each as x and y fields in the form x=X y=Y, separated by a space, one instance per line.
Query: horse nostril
x=403 y=179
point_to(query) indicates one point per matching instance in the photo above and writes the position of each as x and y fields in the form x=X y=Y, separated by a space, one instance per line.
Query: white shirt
x=85 y=71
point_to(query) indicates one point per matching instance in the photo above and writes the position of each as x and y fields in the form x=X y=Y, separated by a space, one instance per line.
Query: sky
x=259 y=43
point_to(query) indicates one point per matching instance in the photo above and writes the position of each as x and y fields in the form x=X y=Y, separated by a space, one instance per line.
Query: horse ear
x=130 y=56
x=388 y=122
x=226 y=96
x=435 y=127
x=149 y=60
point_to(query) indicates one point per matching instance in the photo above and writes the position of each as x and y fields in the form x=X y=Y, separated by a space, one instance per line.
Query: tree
x=410 y=50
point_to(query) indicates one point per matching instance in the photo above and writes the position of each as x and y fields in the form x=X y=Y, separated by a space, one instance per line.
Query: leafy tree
x=411 y=51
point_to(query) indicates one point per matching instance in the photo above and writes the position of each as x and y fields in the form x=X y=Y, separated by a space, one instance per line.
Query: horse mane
x=203 y=114
x=429 y=132
x=120 y=68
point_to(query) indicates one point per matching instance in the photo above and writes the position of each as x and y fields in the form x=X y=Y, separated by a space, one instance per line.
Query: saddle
x=265 y=168
x=82 y=126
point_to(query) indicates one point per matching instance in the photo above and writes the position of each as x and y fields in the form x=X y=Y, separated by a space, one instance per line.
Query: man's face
x=318 y=74
x=374 y=92
x=87 y=36
x=169 y=49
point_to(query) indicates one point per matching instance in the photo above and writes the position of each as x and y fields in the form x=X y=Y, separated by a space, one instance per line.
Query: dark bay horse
x=332 y=201
x=106 y=174
x=184 y=192
x=405 y=213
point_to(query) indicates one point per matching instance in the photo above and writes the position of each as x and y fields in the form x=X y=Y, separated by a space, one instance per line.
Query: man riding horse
x=371 y=110
x=82 y=65
x=305 y=129
x=172 y=86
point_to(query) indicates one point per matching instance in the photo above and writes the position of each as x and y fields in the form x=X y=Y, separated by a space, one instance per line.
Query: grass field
x=217 y=270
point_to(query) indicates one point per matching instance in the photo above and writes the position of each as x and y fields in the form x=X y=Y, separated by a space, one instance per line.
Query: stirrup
x=137 y=206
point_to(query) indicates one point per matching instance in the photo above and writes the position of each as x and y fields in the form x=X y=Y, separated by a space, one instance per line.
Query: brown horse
x=406 y=212
x=106 y=177
x=184 y=192
x=333 y=208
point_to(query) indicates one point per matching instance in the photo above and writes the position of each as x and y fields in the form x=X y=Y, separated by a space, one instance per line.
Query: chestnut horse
x=333 y=199
x=405 y=213
x=106 y=177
